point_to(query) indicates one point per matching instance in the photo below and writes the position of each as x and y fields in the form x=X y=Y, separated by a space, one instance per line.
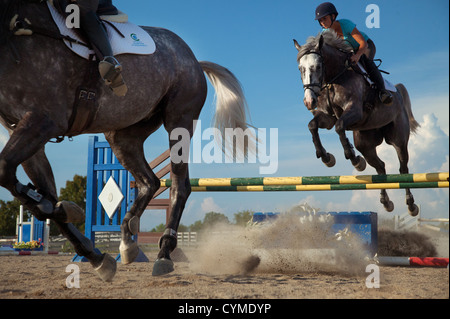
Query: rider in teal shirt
x=362 y=45
x=347 y=27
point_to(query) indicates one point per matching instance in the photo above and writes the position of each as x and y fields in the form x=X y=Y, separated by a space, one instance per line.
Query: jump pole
x=413 y=261
x=320 y=180
x=325 y=187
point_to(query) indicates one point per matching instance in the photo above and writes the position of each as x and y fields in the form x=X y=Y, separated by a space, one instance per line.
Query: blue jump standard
x=363 y=224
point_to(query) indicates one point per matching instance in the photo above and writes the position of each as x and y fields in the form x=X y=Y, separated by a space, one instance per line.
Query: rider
x=363 y=47
x=110 y=69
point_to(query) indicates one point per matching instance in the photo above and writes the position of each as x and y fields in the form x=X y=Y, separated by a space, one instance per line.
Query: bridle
x=311 y=85
x=327 y=84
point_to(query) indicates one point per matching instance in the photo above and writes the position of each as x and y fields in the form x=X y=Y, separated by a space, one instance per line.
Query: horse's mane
x=330 y=38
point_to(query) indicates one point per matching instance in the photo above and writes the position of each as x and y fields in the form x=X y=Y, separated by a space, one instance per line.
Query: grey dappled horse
x=36 y=103
x=339 y=97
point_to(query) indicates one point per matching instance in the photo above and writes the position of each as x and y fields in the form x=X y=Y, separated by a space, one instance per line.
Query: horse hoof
x=414 y=211
x=162 y=267
x=361 y=165
x=107 y=268
x=331 y=160
x=389 y=206
x=128 y=253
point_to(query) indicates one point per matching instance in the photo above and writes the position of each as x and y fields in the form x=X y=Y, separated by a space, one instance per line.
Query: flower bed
x=29 y=246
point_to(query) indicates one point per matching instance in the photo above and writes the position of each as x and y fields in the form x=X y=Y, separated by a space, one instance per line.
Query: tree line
x=211 y=219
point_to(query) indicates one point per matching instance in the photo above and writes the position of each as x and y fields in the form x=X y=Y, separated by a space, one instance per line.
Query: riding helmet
x=325 y=9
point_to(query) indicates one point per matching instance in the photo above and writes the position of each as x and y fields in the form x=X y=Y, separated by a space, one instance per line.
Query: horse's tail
x=414 y=125
x=231 y=108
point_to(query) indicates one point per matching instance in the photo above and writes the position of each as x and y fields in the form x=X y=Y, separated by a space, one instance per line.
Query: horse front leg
x=27 y=148
x=351 y=116
x=323 y=121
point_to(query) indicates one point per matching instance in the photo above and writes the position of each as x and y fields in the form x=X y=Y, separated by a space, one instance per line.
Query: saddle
x=372 y=94
x=124 y=36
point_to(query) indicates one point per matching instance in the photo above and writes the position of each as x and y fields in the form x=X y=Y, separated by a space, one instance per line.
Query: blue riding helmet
x=325 y=9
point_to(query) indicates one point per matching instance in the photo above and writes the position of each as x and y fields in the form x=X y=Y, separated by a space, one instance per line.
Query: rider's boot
x=110 y=69
x=375 y=75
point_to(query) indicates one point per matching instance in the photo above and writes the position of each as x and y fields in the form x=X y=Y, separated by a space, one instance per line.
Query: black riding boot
x=375 y=75
x=109 y=68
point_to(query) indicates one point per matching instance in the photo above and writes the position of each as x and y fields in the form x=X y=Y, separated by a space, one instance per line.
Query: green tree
x=213 y=218
x=242 y=218
x=158 y=229
x=8 y=217
x=75 y=191
x=196 y=227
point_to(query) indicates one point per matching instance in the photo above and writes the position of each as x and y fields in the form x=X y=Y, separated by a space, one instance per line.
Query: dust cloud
x=291 y=243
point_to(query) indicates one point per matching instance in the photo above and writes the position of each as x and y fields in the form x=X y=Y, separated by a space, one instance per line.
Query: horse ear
x=321 y=41
x=298 y=46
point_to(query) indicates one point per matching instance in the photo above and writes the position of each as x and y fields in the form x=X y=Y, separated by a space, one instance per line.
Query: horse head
x=318 y=61
x=310 y=64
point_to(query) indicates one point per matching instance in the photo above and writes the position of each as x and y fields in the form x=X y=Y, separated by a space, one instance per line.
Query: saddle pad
x=136 y=40
x=388 y=85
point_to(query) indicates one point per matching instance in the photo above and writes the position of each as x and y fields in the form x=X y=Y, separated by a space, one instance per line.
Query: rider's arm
x=362 y=45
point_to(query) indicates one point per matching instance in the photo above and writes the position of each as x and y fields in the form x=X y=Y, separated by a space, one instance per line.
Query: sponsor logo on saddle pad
x=136 y=40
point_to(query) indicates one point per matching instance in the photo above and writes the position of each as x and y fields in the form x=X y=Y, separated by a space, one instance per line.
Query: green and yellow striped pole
x=321 y=187
x=426 y=180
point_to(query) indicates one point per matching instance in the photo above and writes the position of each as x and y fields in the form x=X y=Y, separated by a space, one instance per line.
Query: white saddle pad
x=388 y=85
x=136 y=40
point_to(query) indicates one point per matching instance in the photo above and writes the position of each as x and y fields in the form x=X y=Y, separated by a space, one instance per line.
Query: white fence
x=407 y=222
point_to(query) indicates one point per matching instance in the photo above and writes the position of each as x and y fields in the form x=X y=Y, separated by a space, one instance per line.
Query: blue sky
x=254 y=40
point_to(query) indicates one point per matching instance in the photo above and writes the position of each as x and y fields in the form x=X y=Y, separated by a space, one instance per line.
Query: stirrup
x=110 y=71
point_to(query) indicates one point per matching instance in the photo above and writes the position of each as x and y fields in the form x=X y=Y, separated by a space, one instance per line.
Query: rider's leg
x=109 y=68
x=375 y=74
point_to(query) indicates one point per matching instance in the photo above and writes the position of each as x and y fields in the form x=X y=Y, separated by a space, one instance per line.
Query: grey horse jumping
x=38 y=80
x=340 y=97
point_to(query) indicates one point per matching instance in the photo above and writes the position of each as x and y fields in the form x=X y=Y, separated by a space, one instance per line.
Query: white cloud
x=208 y=205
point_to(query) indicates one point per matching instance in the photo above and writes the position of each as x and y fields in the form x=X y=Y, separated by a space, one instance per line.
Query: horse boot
x=110 y=69
x=375 y=75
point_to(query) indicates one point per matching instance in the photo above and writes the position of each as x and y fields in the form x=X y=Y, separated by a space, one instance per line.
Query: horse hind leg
x=181 y=187
x=366 y=142
x=127 y=145
x=179 y=192
x=403 y=156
